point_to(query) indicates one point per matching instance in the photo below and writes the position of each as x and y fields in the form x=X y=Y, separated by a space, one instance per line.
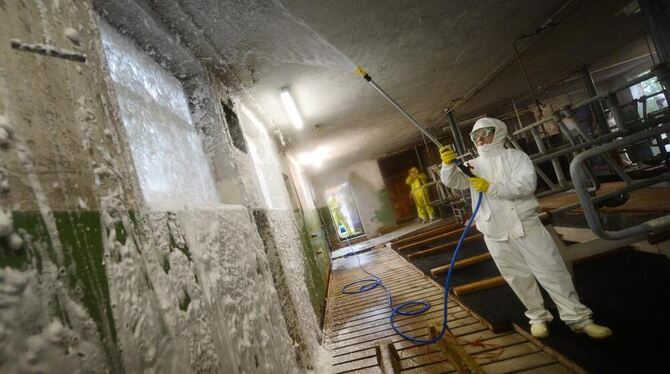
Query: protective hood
x=498 y=143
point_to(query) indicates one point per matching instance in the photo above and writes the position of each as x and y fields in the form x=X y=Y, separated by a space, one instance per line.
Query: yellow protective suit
x=338 y=216
x=416 y=181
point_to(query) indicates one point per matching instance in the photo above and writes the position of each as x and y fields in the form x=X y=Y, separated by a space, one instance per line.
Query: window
x=653 y=91
x=172 y=168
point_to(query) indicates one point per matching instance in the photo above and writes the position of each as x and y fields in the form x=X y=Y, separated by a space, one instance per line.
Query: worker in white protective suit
x=521 y=247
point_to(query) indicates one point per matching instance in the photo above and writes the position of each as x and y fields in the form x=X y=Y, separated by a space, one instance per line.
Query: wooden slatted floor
x=354 y=324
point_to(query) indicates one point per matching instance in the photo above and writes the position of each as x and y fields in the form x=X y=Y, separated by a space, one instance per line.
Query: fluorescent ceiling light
x=314 y=158
x=291 y=108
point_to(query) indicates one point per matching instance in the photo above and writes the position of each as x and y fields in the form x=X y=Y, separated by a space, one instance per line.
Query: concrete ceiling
x=425 y=53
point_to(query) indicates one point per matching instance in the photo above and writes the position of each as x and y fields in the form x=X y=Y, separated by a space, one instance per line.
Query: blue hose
x=368 y=284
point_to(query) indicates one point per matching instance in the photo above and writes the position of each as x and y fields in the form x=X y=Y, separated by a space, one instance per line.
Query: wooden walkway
x=355 y=324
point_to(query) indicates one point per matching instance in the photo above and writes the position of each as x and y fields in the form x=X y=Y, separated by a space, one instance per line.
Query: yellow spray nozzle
x=359 y=70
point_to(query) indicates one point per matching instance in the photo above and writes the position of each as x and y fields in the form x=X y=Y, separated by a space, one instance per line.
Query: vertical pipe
x=538 y=171
x=596 y=107
x=518 y=118
x=613 y=104
x=418 y=158
x=456 y=132
x=554 y=161
x=525 y=74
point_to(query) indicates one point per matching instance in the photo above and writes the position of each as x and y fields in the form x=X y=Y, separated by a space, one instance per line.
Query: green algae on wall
x=317 y=259
x=83 y=268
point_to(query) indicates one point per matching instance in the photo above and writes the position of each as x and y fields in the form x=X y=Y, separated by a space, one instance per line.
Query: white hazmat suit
x=521 y=247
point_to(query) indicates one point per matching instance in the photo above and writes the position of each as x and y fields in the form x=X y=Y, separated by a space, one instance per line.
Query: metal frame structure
x=582 y=177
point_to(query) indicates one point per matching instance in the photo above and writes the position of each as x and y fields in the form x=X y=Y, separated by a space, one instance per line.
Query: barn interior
x=222 y=186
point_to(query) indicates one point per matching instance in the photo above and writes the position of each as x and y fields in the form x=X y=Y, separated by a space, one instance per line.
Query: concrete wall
x=94 y=280
x=367 y=184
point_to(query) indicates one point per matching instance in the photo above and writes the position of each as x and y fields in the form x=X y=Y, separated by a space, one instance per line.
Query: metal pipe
x=636 y=185
x=533 y=125
x=578 y=181
x=553 y=191
x=560 y=176
x=401 y=109
x=455 y=130
x=524 y=73
x=587 y=167
x=494 y=73
x=565 y=151
x=418 y=158
x=538 y=171
x=516 y=112
x=596 y=106
x=613 y=104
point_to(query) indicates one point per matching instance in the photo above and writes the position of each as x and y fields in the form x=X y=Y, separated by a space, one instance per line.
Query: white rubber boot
x=539 y=330
x=594 y=331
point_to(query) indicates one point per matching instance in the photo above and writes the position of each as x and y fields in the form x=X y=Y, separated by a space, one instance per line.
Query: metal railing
x=586 y=201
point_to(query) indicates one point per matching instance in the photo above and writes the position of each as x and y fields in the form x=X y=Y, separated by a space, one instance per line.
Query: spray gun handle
x=464 y=168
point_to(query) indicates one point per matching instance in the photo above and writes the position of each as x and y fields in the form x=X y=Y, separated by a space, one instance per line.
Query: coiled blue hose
x=368 y=284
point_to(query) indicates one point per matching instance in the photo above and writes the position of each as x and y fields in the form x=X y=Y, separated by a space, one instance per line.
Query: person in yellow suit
x=416 y=180
x=338 y=217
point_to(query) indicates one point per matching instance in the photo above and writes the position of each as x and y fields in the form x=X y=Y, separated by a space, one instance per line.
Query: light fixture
x=291 y=108
x=314 y=158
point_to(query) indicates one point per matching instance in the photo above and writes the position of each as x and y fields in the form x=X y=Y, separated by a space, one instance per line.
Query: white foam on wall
x=167 y=152
x=264 y=155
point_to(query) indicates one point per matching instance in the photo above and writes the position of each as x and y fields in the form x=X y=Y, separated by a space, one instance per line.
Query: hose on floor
x=408 y=308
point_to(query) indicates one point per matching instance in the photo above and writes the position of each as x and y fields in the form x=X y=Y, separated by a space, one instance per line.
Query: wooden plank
x=357 y=323
x=387 y=331
x=394 y=357
x=400 y=320
x=379 y=296
x=359 y=355
x=511 y=351
x=432 y=239
x=445 y=247
x=550 y=351
x=381 y=303
x=492 y=344
x=384 y=313
x=555 y=368
x=461 y=263
x=423 y=360
x=401 y=323
x=427 y=234
x=351 y=366
x=419 y=331
x=480 y=285
x=518 y=363
x=459 y=358
x=437 y=367
x=363 y=370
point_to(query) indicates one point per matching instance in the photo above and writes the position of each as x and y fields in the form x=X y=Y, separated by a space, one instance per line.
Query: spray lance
x=409 y=308
x=363 y=74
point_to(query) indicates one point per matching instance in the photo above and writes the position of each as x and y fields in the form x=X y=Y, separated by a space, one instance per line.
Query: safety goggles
x=484 y=132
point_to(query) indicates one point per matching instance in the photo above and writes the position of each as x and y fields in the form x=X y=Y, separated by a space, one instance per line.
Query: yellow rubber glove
x=480 y=184
x=447 y=155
